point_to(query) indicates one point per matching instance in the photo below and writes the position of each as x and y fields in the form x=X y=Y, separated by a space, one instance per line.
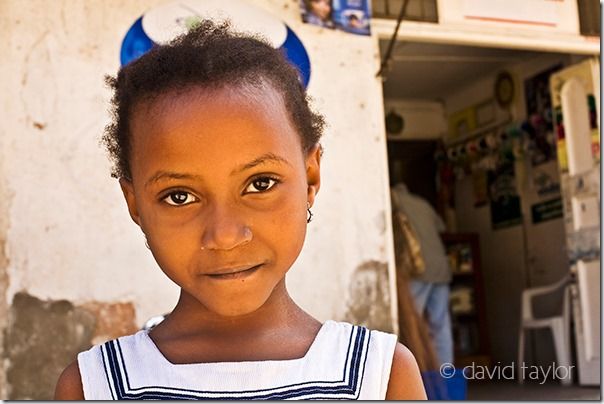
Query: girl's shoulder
x=94 y=365
x=400 y=375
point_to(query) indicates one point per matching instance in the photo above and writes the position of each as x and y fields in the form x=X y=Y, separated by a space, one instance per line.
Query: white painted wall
x=424 y=120
x=68 y=232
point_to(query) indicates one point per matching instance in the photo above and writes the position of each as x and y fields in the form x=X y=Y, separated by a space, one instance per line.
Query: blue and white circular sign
x=160 y=24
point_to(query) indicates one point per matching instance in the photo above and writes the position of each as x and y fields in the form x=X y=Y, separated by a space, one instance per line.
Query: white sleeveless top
x=343 y=362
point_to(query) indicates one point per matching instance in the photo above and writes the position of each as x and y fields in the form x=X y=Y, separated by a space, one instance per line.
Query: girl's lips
x=235 y=274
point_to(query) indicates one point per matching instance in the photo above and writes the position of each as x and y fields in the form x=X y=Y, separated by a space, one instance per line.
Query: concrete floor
x=512 y=391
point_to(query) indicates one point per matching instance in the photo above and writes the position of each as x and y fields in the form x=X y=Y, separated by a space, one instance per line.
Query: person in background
x=430 y=288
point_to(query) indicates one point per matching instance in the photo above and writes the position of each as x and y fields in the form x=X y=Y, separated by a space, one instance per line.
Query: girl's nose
x=224 y=230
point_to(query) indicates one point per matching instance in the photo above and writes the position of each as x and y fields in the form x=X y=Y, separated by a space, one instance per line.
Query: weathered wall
x=4 y=202
x=42 y=337
x=72 y=252
x=424 y=120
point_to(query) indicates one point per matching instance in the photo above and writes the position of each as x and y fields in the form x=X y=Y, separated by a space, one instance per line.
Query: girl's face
x=220 y=187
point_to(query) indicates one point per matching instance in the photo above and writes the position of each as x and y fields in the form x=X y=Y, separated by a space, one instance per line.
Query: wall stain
x=369 y=297
x=380 y=222
x=3 y=307
x=113 y=320
x=5 y=203
x=39 y=125
x=43 y=337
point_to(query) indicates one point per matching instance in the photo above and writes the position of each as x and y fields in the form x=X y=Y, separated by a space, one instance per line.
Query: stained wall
x=74 y=269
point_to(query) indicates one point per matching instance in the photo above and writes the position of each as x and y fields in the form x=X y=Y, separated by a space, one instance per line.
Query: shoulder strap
x=93 y=375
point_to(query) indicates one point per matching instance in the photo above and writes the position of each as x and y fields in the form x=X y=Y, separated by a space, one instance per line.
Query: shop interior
x=471 y=130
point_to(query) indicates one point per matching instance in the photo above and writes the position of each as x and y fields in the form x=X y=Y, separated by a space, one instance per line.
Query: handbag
x=407 y=248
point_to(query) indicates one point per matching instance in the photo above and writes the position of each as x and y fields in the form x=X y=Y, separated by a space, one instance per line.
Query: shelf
x=465 y=316
x=470 y=331
x=469 y=274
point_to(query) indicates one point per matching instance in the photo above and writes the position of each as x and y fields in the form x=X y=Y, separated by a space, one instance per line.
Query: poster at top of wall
x=346 y=15
x=522 y=12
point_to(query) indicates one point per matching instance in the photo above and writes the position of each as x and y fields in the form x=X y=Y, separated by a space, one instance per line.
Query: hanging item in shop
x=347 y=15
x=462 y=123
x=480 y=187
x=548 y=210
x=544 y=183
x=162 y=23
x=505 y=202
x=445 y=187
x=539 y=126
x=394 y=123
x=546 y=204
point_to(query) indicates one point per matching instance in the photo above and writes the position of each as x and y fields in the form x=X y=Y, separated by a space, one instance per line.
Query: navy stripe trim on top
x=347 y=388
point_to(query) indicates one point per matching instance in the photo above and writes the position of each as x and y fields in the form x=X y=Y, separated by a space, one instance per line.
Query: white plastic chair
x=559 y=325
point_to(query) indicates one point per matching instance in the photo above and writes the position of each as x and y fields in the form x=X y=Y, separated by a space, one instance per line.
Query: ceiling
x=430 y=71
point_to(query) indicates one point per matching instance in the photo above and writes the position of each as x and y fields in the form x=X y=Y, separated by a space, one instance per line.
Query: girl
x=218 y=157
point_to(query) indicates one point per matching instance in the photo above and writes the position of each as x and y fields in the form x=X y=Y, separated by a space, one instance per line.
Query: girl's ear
x=128 y=191
x=313 y=172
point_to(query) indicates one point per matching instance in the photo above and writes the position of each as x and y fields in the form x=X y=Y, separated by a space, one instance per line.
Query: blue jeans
x=433 y=299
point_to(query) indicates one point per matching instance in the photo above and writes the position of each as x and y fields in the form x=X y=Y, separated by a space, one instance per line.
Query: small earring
x=310 y=215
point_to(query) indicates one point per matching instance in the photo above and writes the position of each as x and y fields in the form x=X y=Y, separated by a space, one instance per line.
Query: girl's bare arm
x=69 y=386
x=405 y=379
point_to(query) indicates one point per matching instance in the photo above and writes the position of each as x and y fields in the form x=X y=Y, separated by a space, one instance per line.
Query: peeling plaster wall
x=43 y=337
x=68 y=233
x=4 y=202
x=369 y=298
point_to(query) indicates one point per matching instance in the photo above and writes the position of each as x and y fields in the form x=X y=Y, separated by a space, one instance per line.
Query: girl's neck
x=278 y=313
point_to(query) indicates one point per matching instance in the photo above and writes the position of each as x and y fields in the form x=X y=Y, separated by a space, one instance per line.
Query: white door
x=581 y=195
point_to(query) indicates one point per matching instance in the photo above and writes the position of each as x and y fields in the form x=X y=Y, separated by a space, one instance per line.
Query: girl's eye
x=179 y=198
x=261 y=184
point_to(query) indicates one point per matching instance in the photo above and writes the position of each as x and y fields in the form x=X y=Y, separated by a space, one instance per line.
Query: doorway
x=451 y=94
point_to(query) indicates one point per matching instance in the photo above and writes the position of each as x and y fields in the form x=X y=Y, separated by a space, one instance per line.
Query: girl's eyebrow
x=268 y=157
x=160 y=175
